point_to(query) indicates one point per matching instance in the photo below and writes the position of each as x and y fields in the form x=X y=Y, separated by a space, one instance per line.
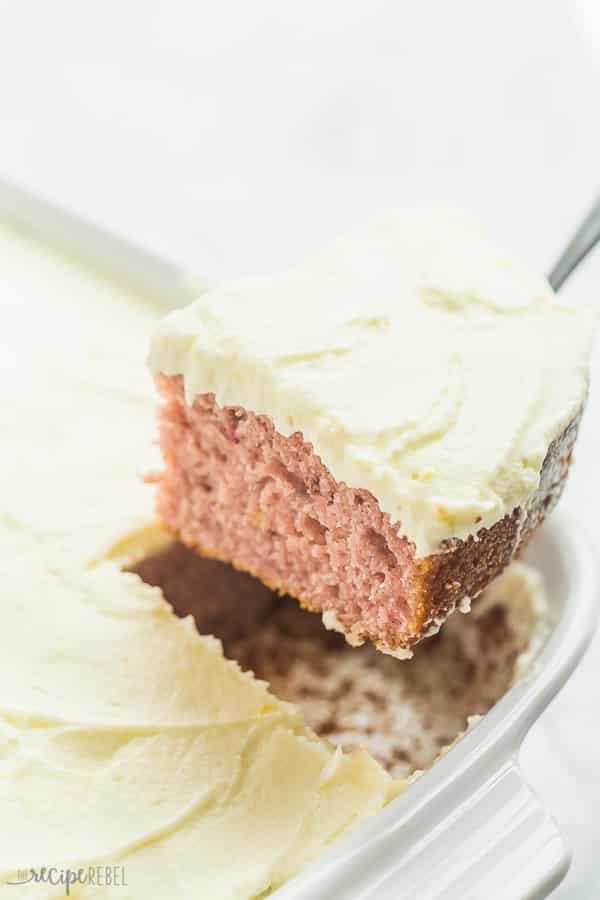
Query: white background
x=235 y=135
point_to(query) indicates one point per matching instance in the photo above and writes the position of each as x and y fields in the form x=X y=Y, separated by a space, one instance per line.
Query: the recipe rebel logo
x=95 y=876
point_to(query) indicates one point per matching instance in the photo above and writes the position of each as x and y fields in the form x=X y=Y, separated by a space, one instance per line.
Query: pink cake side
x=237 y=490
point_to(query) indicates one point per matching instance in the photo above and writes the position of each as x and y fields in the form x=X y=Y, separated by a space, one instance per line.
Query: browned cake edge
x=466 y=567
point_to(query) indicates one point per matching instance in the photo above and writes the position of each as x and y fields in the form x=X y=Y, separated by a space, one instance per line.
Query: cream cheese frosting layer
x=126 y=738
x=420 y=360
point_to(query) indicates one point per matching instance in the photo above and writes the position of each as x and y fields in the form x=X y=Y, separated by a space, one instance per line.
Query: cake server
x=585 y=238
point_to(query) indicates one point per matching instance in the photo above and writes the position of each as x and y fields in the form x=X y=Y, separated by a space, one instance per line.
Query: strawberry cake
x=378 y=431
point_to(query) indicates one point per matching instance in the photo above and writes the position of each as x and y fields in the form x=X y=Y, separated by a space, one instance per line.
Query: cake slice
x=377 y=431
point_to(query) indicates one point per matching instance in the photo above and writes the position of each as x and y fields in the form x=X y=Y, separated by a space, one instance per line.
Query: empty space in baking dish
x=404 y=712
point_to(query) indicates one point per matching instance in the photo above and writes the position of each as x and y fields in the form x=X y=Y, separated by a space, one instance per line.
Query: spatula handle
x=586 y=237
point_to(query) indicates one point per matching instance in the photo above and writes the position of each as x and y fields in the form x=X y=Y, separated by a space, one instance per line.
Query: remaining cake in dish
x=377 y=431
x=127 y=738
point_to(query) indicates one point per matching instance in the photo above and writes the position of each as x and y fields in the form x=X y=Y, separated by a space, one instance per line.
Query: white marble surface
x=234 y=135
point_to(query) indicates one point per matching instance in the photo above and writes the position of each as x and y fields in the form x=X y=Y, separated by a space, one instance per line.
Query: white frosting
x=125 y=738
x=78 y=410
x=420 y=360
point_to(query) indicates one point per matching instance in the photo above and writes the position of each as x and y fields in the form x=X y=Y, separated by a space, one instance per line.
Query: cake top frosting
x=419 y=359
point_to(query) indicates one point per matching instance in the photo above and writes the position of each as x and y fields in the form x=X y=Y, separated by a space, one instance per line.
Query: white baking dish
x=470 y=827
